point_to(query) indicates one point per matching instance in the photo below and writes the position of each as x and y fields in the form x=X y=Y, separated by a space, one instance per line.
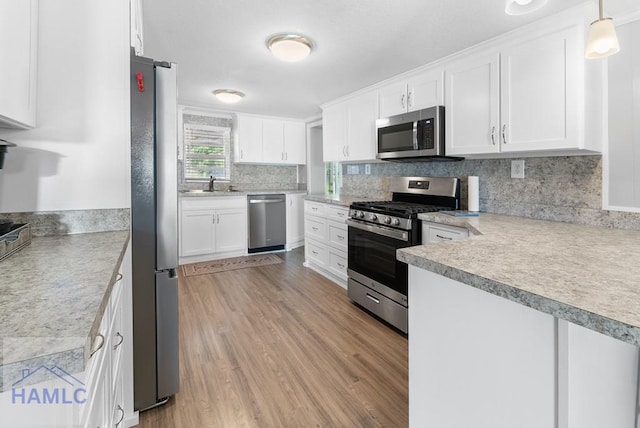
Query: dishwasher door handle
x=265 y=201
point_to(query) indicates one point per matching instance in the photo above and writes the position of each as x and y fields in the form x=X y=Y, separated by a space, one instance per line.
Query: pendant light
x=520 y=7
x=289 y=47
x=602 y=40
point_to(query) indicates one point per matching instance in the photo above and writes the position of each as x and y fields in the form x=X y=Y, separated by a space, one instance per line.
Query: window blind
x=206 y=152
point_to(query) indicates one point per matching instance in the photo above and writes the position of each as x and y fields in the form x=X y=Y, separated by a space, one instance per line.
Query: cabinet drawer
x=337 y=234
x=338 y=262
x=316 y=253
x=315 y=227
x=337 y=213
x=315 y=208
x=213 y=202
x=440 y=233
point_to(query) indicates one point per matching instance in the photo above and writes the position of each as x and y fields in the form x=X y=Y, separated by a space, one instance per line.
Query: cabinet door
x=136 y=26
x=248 y=139
x=362 y=113
x=472 y=102
x=197 y=233
x=18 y=50
x=295 y=143
x=295 y=218
x=393 y=99
x=231 y=230
x=334 y=133
x=272 y=141
x=425 y=90
x=540 y=83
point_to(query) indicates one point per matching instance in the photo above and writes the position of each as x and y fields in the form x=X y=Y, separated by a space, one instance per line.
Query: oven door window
x=374 y=256
x=396 y=138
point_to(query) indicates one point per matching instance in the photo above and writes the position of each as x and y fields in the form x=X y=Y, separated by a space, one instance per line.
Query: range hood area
x=4 y=145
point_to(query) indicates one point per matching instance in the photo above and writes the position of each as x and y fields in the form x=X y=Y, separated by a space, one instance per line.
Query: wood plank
x=282 y=346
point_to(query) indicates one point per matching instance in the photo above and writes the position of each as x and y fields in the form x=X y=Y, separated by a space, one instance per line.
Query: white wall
x=77 y=157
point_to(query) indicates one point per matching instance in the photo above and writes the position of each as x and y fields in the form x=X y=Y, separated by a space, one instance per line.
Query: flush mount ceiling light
x=289 y=47
x=228 y=95
x=520 y=7
x=602 y=40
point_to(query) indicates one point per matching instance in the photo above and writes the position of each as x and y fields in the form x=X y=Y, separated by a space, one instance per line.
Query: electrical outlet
x=367 y=169
x=517 y=169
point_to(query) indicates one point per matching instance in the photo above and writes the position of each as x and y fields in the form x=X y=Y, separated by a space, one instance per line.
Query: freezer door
x=166 y=166
x=167 y=333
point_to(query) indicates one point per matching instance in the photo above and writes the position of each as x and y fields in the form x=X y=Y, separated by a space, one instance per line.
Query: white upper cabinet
x=415 y=93
x=527 y=96
x=472 y=113
x=349 y=129
x=295 y=143
x=248 y=139
x=270 y=141
x=18 y=74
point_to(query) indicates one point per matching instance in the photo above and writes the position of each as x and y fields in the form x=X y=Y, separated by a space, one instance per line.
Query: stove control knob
x=373 y=217
x=387 y=220
x=396 y=221
x=359 y=214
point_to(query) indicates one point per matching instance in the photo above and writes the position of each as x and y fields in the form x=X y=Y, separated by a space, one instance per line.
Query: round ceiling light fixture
x=229 y=96
x=520 y=7
x=289 y=47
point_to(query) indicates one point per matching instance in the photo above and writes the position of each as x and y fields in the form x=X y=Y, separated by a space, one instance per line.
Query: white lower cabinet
x=108 y=377
x=480 y=360
x=212 y=228
x=326 y=240
x=295 y=220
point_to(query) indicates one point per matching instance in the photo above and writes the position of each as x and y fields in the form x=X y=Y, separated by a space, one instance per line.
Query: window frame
x=188 y=128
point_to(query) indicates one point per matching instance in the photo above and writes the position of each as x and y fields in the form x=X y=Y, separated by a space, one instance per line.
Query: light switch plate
x=517 y=168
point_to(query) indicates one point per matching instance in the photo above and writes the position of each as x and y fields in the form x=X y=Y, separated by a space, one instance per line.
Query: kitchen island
x=527 y=323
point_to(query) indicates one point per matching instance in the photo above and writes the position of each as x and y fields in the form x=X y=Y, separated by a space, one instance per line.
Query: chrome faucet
x=211 y=181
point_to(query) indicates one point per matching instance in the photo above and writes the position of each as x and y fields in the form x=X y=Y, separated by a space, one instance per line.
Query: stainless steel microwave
x=412 y=136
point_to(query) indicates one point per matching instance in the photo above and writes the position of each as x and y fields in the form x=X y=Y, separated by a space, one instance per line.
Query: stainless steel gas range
x=377 y=281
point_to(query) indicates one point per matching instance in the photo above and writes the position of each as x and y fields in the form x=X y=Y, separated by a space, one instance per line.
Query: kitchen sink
x=209 y=191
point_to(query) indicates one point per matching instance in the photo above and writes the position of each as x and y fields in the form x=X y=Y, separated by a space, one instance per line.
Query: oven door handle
x=400 y=235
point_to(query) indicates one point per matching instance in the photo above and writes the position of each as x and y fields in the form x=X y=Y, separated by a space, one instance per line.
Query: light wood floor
x=282 y=346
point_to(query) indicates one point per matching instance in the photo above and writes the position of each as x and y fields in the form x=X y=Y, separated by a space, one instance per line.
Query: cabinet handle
x=119 y=343
x=402 y=101
x=340 y=265
x=121 y=410
x=241 y=154
x=286 y=156
x=347 y=147
x=444 y=237
x=504 y=139
x=315 y=253
x=314 y=228
x=409 y=100
x=314 y=208
x=370 y=297
x=493 y=135
x=218 y=217
x=100 y=343
x=340 y=214
x=340 y=237
x=118 y=277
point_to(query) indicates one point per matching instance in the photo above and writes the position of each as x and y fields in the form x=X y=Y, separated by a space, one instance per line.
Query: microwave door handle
x=415 y=135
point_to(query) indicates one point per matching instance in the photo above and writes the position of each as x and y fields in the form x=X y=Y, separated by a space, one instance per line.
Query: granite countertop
x=587 y=275
x=224 y=193
x=53 y=294
x=330 y=198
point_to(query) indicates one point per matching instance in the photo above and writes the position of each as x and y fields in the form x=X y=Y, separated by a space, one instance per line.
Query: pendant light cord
x=601 y=11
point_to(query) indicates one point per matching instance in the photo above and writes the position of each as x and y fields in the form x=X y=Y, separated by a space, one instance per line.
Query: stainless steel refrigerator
x=154 y=231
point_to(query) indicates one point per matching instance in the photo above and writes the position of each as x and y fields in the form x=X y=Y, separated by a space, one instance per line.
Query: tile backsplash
x=565 y=188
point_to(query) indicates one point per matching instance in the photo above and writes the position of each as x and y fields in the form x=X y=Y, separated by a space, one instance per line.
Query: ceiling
x=222 y=44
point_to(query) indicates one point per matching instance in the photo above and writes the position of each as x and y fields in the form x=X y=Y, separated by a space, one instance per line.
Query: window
x=206 y=152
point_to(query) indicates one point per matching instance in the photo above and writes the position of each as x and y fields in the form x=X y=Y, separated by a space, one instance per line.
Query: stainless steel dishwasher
x=267 y=222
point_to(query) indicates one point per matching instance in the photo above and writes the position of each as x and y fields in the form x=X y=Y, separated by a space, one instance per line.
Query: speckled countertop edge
x=341 y=200
x=579 y=283
x=71 y=347
x=222 y=193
